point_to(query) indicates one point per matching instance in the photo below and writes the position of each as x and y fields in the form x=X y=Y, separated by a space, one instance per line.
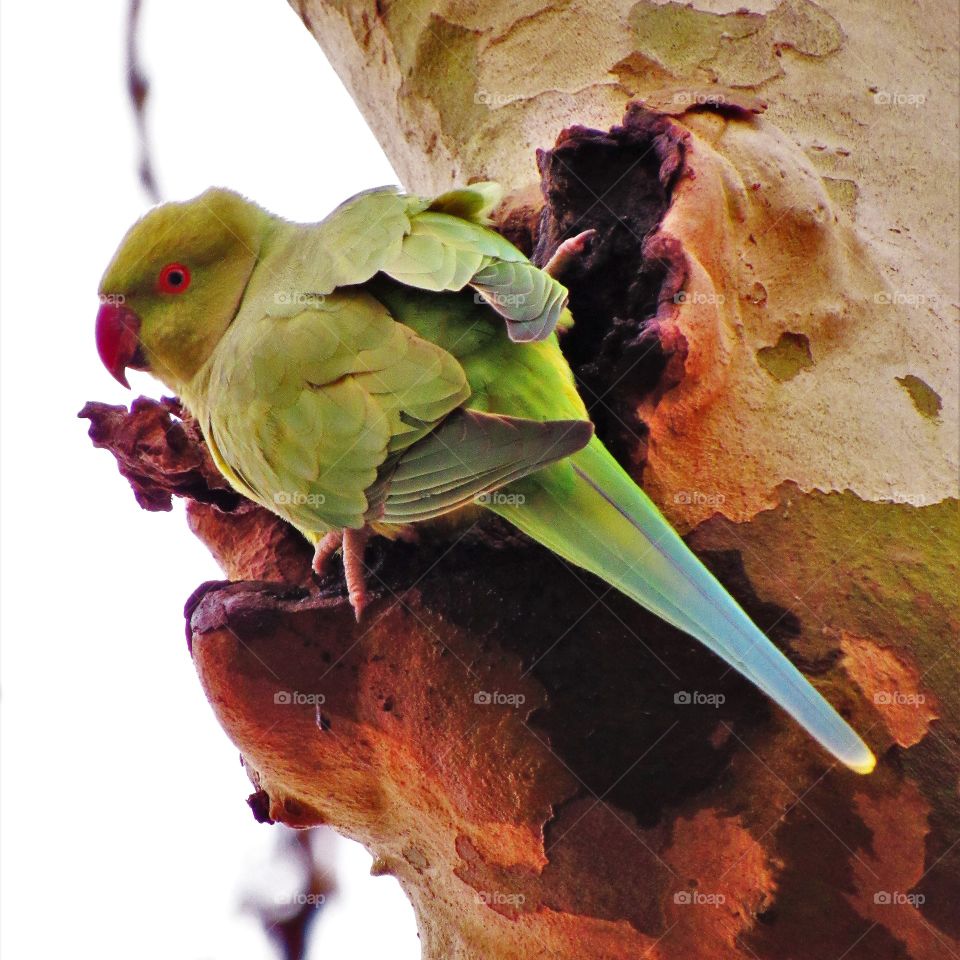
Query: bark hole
x=619 y=183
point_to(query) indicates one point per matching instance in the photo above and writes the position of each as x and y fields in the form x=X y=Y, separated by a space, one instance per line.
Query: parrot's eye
x=174 y=278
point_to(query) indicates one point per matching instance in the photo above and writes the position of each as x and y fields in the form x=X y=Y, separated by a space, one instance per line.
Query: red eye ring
x=174 y=278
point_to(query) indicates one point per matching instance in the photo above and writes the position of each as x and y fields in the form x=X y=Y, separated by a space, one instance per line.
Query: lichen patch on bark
x=787 y=357
x=927 y=401
x=741 y=48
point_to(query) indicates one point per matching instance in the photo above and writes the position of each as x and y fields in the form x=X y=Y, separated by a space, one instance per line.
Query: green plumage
x=397 y=361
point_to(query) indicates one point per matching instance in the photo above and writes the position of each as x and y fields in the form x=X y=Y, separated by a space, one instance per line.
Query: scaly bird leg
x=567 y=252
x=325 y=549
x=354 y=544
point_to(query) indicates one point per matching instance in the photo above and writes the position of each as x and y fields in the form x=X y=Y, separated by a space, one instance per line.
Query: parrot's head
x=176 y=283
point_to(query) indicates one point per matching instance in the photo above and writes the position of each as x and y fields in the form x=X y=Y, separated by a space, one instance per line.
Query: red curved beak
x=118 y=340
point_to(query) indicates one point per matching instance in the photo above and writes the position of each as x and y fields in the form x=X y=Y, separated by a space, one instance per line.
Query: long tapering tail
x=606 y=524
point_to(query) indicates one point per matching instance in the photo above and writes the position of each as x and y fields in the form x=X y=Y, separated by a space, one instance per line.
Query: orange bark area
x=887 y=876
x=723 y=880
x=893 y=682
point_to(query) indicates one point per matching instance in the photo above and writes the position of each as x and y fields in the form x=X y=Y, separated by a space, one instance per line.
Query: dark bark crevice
x=619 y=183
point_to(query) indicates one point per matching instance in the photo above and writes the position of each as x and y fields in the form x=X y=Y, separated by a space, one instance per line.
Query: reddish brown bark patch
x=887 y=876
x=893 y=682
x=723 y=881
x=161 y=453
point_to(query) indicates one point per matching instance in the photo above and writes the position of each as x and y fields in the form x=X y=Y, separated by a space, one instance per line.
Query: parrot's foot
x=568 y=251
x=354 y=544
x=325 y=549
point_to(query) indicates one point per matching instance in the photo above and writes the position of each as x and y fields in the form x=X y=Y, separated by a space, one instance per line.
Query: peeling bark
x=764 y=337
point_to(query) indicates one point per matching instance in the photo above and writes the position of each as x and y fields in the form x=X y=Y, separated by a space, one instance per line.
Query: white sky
x=125 y=831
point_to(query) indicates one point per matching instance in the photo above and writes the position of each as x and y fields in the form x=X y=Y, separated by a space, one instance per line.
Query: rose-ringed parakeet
x=393 y=363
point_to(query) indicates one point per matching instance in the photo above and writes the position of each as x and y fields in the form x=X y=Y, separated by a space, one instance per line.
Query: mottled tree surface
x=548 y=770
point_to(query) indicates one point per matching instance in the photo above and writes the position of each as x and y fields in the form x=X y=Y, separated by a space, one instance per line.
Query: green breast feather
x=305 y=409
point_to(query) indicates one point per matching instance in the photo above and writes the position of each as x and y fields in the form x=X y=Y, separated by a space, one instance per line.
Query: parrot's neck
x=282 y=282
x=193 y=394
x=259 y=290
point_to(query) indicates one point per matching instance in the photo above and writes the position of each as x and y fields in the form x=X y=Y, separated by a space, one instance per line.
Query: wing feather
x=308 y=432
x=444 y=252
x=472 y=454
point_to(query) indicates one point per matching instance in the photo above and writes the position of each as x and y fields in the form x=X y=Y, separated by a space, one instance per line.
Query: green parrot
x=391 y=364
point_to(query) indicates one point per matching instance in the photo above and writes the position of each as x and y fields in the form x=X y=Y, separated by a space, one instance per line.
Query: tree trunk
x=765 y=337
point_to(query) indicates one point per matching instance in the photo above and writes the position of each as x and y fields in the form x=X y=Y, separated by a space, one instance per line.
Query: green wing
x=475 y=202
x=436 y=245
x=444 y=252
x=304 y=410
x=470 y=456
x=363 y=233
x=531 y=301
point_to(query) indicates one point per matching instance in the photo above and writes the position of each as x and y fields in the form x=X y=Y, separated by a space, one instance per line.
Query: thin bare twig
x=138 y=88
